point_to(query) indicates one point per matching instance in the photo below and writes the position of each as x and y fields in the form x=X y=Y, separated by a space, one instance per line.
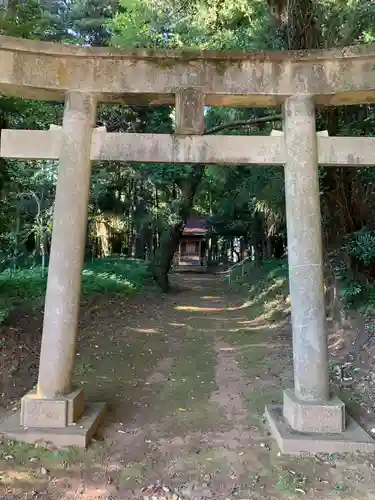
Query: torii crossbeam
x=171 y=148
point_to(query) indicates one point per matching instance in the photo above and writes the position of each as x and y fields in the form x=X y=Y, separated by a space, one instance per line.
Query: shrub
x=361 y=245
x=26 y=287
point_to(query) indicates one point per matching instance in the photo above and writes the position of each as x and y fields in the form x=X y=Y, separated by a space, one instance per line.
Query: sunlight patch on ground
x=254 y=328
x=145 y=330
x=212 y=309
x=95 y=493
x=211 y=297
x=247 y=329
x=213 y=318
x=9 y=477
x=244 y=347
x=253 y=322
x=266 y=345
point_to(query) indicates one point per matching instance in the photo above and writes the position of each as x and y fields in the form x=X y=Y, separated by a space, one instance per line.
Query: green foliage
x=291 y=483
x=359 y=296
x=357 y=289
x=218 y=25
x=132 y=26
x=89 y=18
x=351 y=292
x=20 y=287
x=366 y=305
x=114 y=275
x=332 y=368
x=72 y=21
x=361 y=245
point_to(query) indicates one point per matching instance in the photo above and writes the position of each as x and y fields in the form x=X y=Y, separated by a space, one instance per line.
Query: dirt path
x=186 y=378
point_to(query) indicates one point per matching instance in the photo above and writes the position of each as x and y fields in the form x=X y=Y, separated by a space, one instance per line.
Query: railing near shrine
x=238 y=265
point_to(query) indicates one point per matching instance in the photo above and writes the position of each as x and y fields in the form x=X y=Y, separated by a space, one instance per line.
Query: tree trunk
x=164 y=257
x=269 y=248
x=259 y=239
x=170 y=240
x=302 y=30
x=141 y=224
x=3 y=163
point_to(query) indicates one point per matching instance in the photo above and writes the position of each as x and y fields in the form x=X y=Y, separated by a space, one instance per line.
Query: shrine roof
x=195 y=226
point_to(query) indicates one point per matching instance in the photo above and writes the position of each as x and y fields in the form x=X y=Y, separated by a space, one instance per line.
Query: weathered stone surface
x=72 y=435
x=326 y=418
x=278 y=133
x=189 y=111
x=161 y=148
x=149 y=148
x=353 y=440
x=305 y=254
x=76 y=405
x=58 y=412
x=47 y=71
x=67 y=248
x=37 y=412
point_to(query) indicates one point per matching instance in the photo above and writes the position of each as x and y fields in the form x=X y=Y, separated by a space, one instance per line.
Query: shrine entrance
x=310 y=418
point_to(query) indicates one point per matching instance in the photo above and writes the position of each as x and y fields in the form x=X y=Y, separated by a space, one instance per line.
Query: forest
x=139 y=210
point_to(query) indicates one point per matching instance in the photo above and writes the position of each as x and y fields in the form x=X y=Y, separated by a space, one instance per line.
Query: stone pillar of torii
x=310 y=418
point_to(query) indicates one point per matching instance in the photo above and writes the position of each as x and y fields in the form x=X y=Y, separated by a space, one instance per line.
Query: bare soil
x=186 y=377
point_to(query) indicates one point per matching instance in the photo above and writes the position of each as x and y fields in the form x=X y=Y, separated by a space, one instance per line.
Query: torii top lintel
x=46 y=71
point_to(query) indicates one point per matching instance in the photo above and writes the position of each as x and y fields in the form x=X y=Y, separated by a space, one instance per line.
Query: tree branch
x=117 y=126
x=243 y=123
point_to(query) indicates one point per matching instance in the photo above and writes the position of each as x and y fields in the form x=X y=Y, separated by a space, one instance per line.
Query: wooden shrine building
x=192 y=251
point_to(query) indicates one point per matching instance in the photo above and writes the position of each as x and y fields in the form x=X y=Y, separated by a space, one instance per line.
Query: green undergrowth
x=270 y=278
x=112 y=275
x=20 y=453
x=251 y=271
x=358 y=296
x=265 y=293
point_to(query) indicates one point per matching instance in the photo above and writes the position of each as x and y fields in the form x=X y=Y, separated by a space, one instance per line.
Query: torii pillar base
x=62 y=421
x=353 y=439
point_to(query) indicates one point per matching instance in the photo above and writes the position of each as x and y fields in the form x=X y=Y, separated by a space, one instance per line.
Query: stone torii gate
x=310 y=418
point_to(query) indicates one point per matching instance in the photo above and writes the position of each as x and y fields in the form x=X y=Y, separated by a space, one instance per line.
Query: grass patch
x=266 y=300
x=266 y=290
x=114 y=275
x=352 y=402
x=259 y=399
x=27 y=287
x=269 y=283
x=289 y=483
x=121 y=373
x=261 y=277
x=19 y=453
x=133 y=473
x=190 y=384
x=192 y=374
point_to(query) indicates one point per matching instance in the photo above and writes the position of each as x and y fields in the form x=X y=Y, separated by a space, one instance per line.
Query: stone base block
x=324 y=418
x=353 y=439
x=57 y=412
x=79 y=434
